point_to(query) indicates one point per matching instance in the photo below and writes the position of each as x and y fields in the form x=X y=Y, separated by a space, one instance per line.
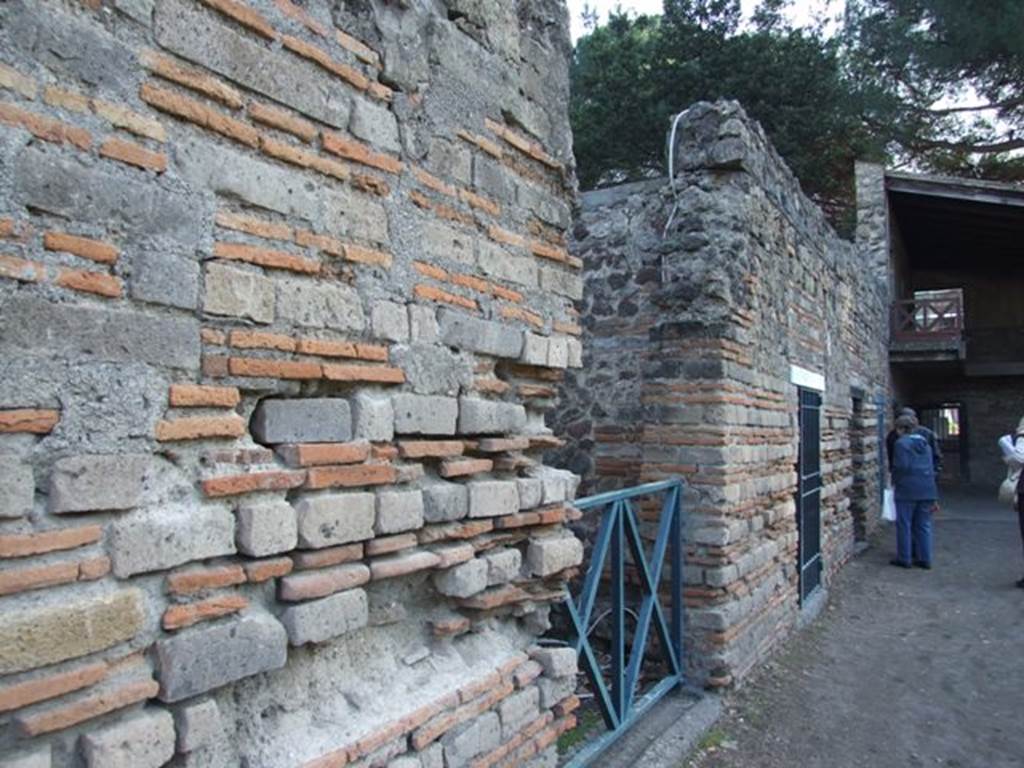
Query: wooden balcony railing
x=933 y=318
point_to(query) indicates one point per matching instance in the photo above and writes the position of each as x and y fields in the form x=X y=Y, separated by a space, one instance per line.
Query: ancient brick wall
x=690 y=338
x=284 y=295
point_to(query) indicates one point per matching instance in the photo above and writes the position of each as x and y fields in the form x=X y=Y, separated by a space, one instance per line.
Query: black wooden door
x=808 y=499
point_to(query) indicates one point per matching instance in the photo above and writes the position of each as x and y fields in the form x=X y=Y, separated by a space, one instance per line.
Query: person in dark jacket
x=931 y=437
x=915 y=492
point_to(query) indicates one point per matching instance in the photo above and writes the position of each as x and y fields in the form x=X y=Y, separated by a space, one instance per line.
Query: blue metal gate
x=619 y=698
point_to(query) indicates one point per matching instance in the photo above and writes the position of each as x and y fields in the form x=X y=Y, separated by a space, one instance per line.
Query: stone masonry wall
x=284 y=295
x=689 y=339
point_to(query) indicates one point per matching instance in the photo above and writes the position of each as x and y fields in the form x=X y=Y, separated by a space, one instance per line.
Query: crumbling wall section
x=747 y=282
x=284 y=295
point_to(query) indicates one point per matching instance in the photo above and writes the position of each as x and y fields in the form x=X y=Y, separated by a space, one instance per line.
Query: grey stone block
x=198 y=660
x=475 y=335
x=390 y=320
x=561 y=281
x=97 y=333
x=198 y=724
x=432 y=756
x=424 y=414
x=530 y=492
x=373 y=417
x=326 y=618
x=98 y=483
x=353 y=214
x=492 y=178
x=485 y=417
x=335 y=518
x=203 y=38
x=266 y=529
x=423 y=327
x=495 y=261
x=302 y=420
x=444 y=502
x=502 y=565
x=163 y=537
x=140 y=10
x=557 y=485
x=375 y=124
x=553 y=691
x=167 y=279
x=41 y=757
x=476 y=737
x=551 y=555
x=398 y=511
x=238 y=292
x=575 y=352
x=17 y=487
x=433 y=370
x=320 y=305
x=463 y=580
x=442 y=243
x=518 y=710
x=535 y=349
x=67 y=188
x=145 y=740
x=492 y=498
x=557 y=662
x=558 y=352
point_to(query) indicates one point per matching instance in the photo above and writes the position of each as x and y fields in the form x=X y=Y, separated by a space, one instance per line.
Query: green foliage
x=632 y=75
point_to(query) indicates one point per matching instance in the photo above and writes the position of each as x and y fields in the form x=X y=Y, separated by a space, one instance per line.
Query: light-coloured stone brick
x=424 y=414
x=39 y=757
x=553 y=554
x=493 y=498
x=502 y=565
x=530 y=492
x=238 y=292
x=390 y=320
x=98 y=483
x=474 y=738
x=198 y=724
x=302 y=420
x=335 y=518
x=463 y=580
x=165 y=536
x=423 y=327
x=145 y=740
x=319 y=620
x=320 y=305
x=373 y=417
x=486 y=417
x=518 y=710
x=398 y=511
x=557 y=662
x=445 y=501
x=473 y=334
x=18 y=487
x=266 y=529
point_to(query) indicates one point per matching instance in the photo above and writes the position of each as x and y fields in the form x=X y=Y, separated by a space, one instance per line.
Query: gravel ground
x=904 y=668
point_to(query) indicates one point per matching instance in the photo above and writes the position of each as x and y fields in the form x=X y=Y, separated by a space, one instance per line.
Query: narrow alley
x=906 y=668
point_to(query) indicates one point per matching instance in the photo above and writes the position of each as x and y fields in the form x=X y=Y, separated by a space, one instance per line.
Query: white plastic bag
x=889 y=506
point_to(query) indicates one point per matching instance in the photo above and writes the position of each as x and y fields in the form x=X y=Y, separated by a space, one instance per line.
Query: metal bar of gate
x=621 y=703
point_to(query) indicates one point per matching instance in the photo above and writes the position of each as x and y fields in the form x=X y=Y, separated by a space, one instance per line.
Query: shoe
x=926 y=566
x=899 y=563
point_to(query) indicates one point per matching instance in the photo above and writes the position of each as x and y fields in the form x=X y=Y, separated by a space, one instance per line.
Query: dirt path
x=904 y=668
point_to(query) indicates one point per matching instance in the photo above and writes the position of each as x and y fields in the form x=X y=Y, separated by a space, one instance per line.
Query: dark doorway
x=947 y=421
x=808 y=498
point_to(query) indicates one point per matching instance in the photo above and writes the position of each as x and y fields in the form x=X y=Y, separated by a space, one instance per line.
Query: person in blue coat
x=916 y=494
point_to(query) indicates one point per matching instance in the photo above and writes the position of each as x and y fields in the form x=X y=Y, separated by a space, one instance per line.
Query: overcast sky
x=801 y=12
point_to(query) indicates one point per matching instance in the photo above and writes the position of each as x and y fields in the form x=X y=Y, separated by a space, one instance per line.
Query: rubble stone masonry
x=284 y=296
x=695 y=313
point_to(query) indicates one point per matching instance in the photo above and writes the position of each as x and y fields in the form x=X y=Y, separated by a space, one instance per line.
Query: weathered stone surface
x=482 y=417
x=518 y=710
x=203 y=38
x=555 y=690
x=530 y=492
x=375 y=124
x=423 y=327
x=163 y=537
x=557 y=662
x=475 y=335
x=463 y=580
x=424 y=414
x=42 y=328
x=335 y=518
x=207 y=657
x=302 y=420
x=557 y=485
x=320 y=305
x=145 y=740
x=266 y=529
x=18 y=486
x=441 y=242
x=327 y=618
x=164 y=278
x=98 y=483
x=495 y=261
x=445 y=501
x=398 y=511
x=502 y=565
x=477 y=737
x=390 y=320
x=57 y=185
x=492 y=498
x=238 y=292
x=373 y=417
x=433 y=370
x=198 y=724
x=35 y=637
x=40 y=757
x=551 y=555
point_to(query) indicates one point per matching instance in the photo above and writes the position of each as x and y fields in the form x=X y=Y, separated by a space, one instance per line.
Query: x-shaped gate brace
x=621 y=706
